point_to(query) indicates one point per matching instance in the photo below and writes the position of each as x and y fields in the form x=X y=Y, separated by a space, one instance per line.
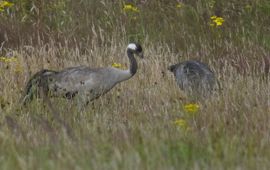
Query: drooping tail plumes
x=38 y=83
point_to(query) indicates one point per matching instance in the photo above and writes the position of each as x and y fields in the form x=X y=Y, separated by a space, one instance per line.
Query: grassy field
x=142 y=123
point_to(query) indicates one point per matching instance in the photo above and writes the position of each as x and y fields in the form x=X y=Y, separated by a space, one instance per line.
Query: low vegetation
x=146 y=122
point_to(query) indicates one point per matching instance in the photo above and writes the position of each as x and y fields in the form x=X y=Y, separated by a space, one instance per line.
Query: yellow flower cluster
x=216 y=21
x=118 y=65
x=182 y=124
x=131 y=8
x=179 y=5
x=8 y=59
x=191 y=108
x=5 y=4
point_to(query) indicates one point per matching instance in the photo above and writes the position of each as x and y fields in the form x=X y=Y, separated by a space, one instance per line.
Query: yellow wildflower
x=118 y=65
x=8 y=59
x=5 y=4
x=130 y=7
x=213 y=17
x=216 y=21
x=219 y=21
x=179 y=5
x=181 y=123
x=191 y=108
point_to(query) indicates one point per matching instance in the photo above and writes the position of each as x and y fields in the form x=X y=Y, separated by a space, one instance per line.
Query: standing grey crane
x=194 y=77
x=82 y=81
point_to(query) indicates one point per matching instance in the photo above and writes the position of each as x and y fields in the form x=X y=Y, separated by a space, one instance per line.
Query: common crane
x=194 y=78
x=82 y=81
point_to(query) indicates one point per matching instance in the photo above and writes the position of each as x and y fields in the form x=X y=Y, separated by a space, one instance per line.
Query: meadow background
x=141 y=123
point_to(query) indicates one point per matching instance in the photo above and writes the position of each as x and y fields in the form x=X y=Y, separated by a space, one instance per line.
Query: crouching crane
x=194 y=77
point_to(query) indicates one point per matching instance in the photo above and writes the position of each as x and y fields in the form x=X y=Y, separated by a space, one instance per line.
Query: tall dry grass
x=132 y=126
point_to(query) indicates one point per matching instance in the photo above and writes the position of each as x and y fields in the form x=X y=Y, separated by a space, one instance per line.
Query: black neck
x=133 y=63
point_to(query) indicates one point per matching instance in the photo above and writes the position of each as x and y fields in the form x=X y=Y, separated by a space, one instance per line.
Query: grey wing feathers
x=87 y=83
x=72 y=78
x=75 y=73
